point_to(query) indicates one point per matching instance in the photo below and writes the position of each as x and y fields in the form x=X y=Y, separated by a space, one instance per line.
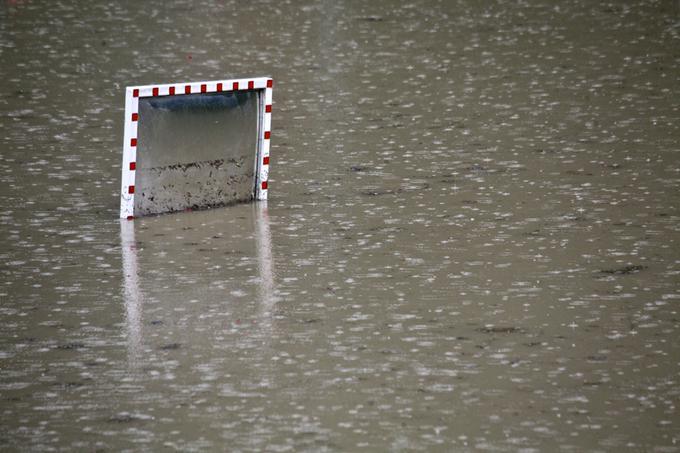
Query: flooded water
x=471 y=241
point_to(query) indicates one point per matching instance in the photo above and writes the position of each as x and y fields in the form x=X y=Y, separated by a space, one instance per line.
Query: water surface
x=471 y=241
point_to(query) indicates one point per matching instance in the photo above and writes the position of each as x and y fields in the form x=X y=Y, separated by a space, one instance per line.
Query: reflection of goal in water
x=195 y=145
x=139 y=289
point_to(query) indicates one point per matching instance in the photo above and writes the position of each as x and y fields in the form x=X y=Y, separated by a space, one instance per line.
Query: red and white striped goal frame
x=132 y=95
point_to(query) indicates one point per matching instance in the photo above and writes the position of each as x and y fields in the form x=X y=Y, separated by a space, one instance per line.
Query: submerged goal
x=195 y=145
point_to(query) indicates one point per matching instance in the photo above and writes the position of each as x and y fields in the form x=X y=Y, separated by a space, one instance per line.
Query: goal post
x=195 y=145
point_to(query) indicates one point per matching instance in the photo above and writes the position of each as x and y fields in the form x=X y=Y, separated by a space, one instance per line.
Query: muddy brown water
x=471 y=241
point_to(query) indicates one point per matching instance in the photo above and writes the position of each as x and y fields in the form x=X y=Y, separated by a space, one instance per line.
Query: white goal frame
x=132 y=95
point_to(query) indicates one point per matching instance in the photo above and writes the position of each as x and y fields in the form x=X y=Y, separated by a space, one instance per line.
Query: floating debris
x=625 y=270
x=171 y=346
x=370 y=19
x=500 y=329
x=71 y=346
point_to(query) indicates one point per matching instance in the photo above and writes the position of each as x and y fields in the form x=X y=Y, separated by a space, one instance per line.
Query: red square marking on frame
x=267 y=134
x=131 y=189
x=265 y=160
x=131 y=217
x=133 y=142
x=268 y=108
x=264 y=185
x=235 y=86
x=171 y=91
x=135 y=93
x=187 y=89
x=251 y=85
x=270 y=83
x=135 y=116
x=155 y=91
x=219 y=87
x=204 y=88
x=133 y=166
